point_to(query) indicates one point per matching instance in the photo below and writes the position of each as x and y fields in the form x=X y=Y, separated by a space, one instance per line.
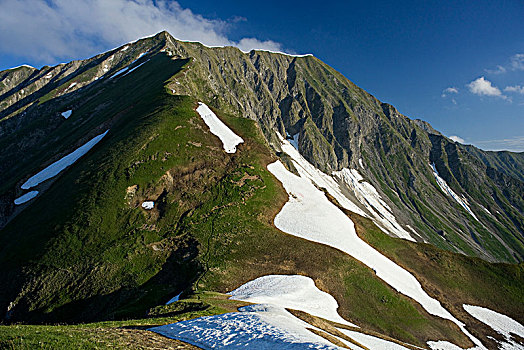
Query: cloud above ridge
x=52 y=30
x=483 y=87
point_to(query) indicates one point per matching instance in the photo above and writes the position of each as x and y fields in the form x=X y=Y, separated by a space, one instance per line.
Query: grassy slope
x=110 y=259
x=100 y=259
x=126 y=334
x=454 y=279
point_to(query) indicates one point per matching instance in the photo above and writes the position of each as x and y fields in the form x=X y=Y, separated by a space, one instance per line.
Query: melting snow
x=254 y=327
x=26 y=197
x=370 y=198
x=363 y=191
x=67 y=113
x=58 y=166
x=229 y=139
x=290 y=291
x=372 y=342
x=308 y=171
x=498 y=322
x=148 y=205
x=447 y=190
x=309 y=214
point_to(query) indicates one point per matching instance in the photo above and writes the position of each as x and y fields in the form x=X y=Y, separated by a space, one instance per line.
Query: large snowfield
x=58 y=166
x=310 y=215
x=290 y=291
x=253 y=327
x=229 y=139
x=363 y=191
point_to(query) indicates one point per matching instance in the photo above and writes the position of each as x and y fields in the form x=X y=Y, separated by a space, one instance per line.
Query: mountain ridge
x=98 y=253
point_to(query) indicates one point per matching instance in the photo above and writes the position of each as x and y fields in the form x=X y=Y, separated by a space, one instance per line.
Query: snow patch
x=322 y=180
x=447 y=190
x=500 y=323
x=118 y=73
x=372 y=342
x=229 y=139
x=67 y=113
x=148 y=205
x=310 y=215
x=125 y=48
x=364 y=192
x=292 y=292
x=48 y=76
x=361 y=163
x=368 y=196
x=70 y=86
x=132 y=69
x=173 y=299
x=253 y=327
x=26 y=197
x=58 y=166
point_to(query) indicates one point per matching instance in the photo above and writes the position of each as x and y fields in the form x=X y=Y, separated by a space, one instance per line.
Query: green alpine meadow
x=166 y=194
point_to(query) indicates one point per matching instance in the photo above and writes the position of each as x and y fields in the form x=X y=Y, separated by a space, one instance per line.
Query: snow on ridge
x=280 y=53
x=262 y=327
x=292 y=292
x=310 y=215
x=26 y=197
x=447 y=190
x=20 y=66
x=368 y=195
x=61 y=164
x=229 y=139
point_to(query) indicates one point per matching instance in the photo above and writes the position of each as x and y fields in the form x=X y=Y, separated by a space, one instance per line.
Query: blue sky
x=456 y=64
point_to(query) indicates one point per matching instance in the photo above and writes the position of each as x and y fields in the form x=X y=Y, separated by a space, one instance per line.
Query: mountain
x=116 y=195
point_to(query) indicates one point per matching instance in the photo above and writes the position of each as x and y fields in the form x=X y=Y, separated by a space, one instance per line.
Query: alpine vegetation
x=167 y=194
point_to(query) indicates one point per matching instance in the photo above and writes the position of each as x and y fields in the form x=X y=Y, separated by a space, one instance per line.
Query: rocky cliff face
x=339 y=126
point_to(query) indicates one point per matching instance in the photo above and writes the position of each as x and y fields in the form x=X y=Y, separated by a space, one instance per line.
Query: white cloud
x=483 y=87
x=457 y=139
x=498 y=70
x=517 y=61
x=515 y=144
x=52 y=30
x=449 y=90
x=517 y=88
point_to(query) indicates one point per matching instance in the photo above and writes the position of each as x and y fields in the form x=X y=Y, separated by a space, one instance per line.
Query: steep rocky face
x=341 y=126
x=338 y=125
